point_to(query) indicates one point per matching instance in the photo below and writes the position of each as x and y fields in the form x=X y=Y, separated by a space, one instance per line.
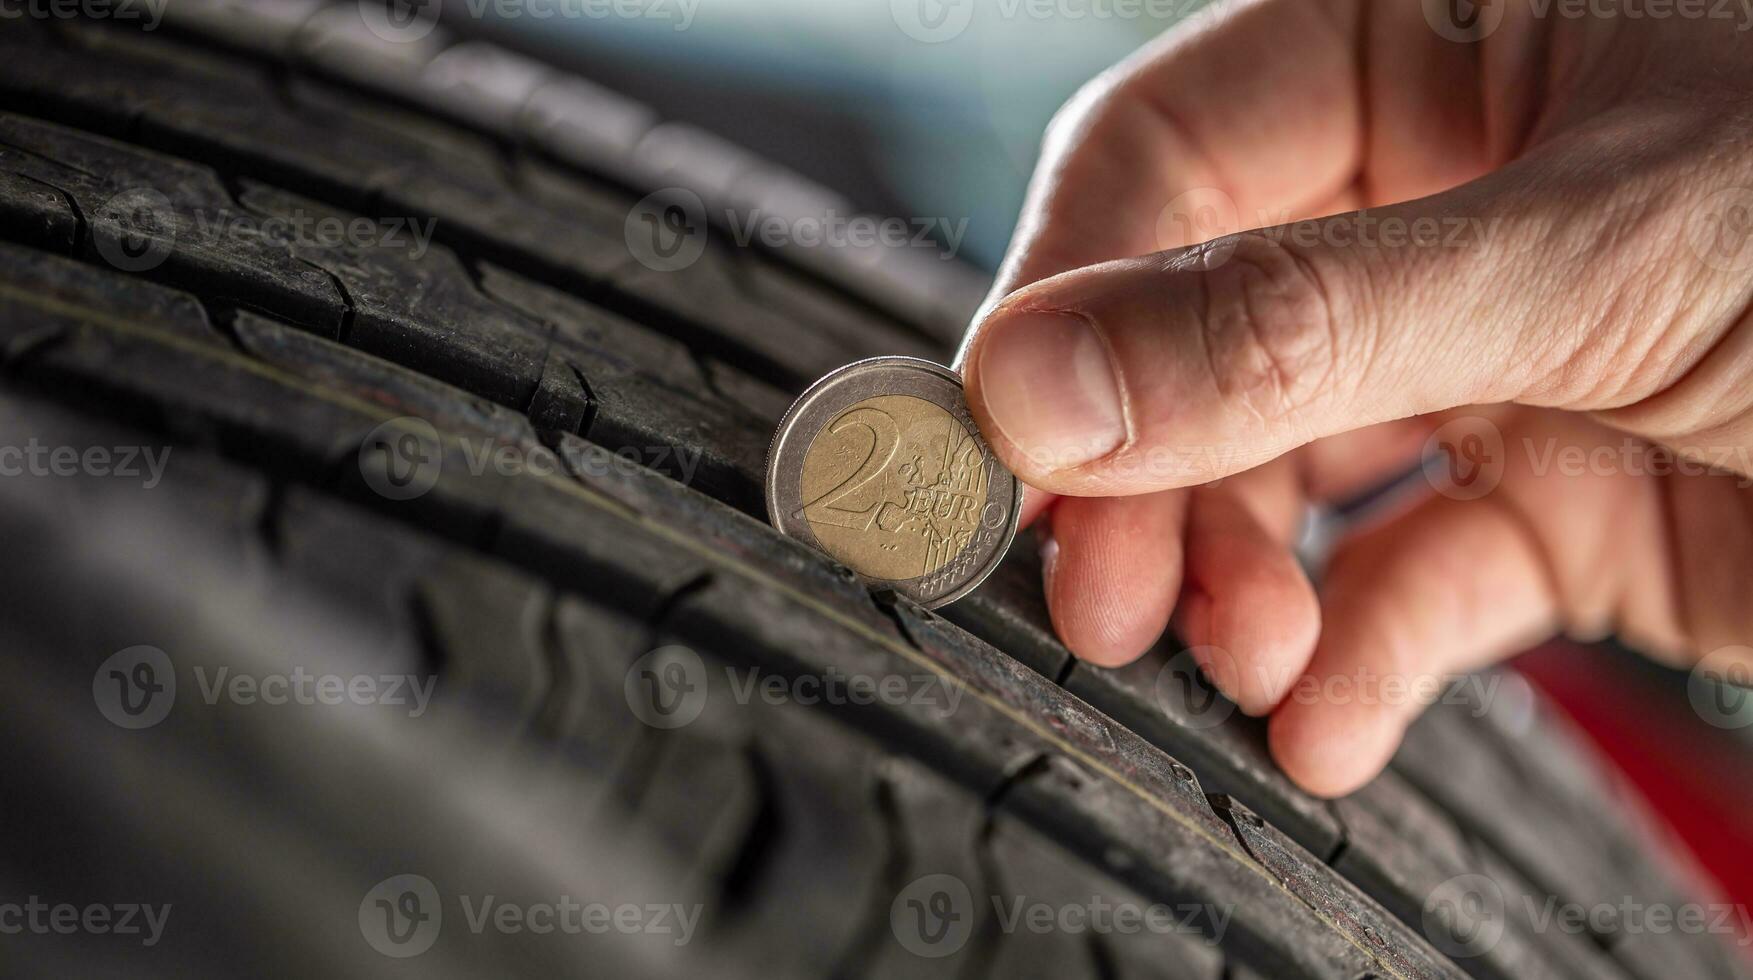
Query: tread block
x=1174 y=861
x=167 y=219
x=236 y=117
x=220 y=400
x=1032 y=871
x=924 y=711
x=763 y=402
x=150 y=368
x=1361 y=920
x=477 y=626
x=1577 y=953
x=733 y=303
x=594 y=647
x=1009 y=610
x=266 y=28
x=369 y=568
x=1155 y=854
x=1166 y=699
x=508 y=229
x=935 y=828
x=38 y=77
x=1411 y=859
x=702 y=796
x=220 y=788
x=938 y=296
x=411 y=303
x=37 y=214
x=587 y=126
x=1549 y=753
x=792 y=335
x=968 y=657
x=738 y=540
x=211 y=395
x=193 y=104
x=482 y=83
x=58 y=289
x=561 y=402
x=522 y=101
x=386 y=55
x=819 y=848
x=228 y=500
x=539 y=524
x=673 y=154
x=650 y=395
x=470 y=157
x=486 y=627
x=371 y=379
x=1473 y=768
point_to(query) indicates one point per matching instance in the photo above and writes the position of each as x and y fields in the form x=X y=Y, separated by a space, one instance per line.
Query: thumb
x=1189 y=365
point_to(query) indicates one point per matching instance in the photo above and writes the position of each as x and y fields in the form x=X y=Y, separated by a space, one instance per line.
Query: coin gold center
x=894 y=487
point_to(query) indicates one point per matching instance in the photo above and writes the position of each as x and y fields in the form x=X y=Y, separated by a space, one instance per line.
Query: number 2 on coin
x=884 y=433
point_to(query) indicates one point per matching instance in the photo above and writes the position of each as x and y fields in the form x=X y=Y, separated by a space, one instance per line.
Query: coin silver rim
x=833 y=384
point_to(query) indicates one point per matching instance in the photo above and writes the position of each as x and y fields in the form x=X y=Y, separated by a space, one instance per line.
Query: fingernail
x=1049 y=387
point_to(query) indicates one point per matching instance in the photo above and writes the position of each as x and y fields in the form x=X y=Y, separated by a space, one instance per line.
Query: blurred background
x=913 y=108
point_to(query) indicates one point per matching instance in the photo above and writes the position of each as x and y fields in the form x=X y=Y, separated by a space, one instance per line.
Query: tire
x=514 y=474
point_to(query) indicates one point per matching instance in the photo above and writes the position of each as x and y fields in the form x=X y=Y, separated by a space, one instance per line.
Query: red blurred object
x=1693 y=775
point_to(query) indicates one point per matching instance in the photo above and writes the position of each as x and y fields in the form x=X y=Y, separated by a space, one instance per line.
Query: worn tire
x=523 y=466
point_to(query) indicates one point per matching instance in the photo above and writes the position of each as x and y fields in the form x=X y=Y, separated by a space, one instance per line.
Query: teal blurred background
x=848 y=93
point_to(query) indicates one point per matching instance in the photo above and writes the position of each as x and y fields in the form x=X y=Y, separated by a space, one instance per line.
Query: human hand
x=1575 y=204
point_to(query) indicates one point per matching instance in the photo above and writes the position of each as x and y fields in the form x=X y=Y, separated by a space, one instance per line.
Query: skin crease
x=1591 y=148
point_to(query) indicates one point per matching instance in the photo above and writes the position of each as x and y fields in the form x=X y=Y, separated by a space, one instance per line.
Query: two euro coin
x=881 y=466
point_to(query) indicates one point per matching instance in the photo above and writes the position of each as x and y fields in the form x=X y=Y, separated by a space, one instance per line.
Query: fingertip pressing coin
x=881 y=466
